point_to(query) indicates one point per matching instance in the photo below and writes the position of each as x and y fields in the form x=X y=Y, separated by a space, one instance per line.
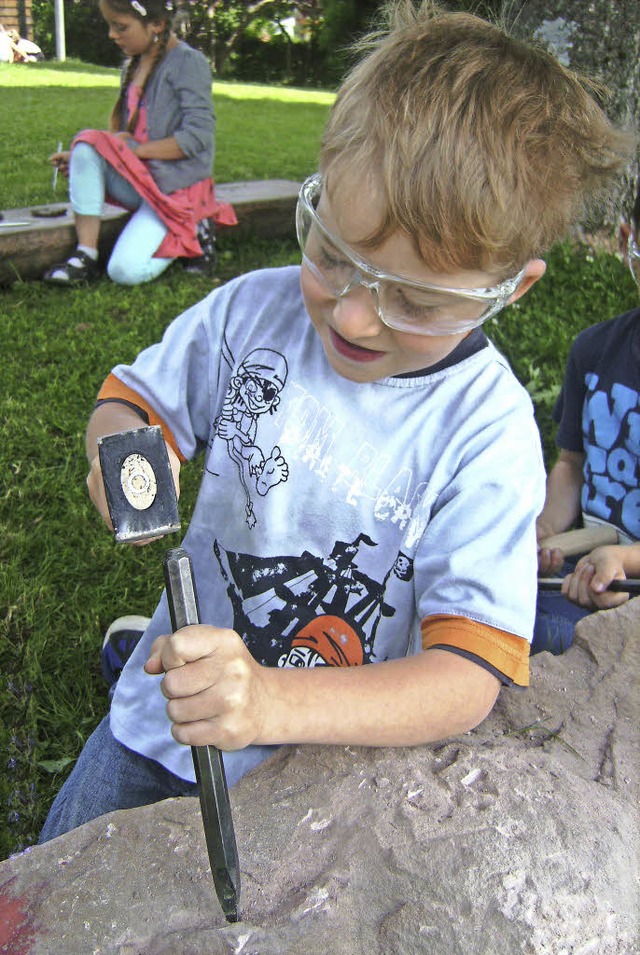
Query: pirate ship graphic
x=309 y=610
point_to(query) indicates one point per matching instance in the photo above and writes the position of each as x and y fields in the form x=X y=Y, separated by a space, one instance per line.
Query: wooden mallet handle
x=580 y=541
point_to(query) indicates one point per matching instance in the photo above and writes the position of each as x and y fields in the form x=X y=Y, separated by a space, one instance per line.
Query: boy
x=596 y=476
x=372 y=469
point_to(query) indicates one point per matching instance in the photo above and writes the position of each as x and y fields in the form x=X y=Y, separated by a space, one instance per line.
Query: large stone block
x=520 y=837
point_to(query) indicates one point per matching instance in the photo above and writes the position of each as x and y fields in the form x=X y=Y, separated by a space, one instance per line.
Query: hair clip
x=137 y=6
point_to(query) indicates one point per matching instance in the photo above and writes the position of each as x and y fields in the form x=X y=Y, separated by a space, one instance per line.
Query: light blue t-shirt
x=333 y=517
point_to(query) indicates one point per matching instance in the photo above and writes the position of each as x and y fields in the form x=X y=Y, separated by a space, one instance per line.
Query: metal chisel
x=210 y=775
x=630 y=585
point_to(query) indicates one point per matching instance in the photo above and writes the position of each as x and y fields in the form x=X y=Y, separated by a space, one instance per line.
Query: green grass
x=62 y=578
x=262 y=132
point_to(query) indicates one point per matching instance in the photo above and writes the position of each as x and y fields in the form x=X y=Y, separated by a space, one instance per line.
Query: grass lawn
x=262 y=132
x=62 y=578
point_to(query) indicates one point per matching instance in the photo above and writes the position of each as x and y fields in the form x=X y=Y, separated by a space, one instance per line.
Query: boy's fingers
x=184 y=646
x=549 y=561
x=153 y=665
x=610 y=599
x=154 y=660
x=198 y=705
x=174 y=463
x=599 y=585
x=585 y=594
x=184 y=684
x=557 y=558
x=544 y=560
x=200 y=733
x=576 y=585
x=95 y=486
x=604 y=598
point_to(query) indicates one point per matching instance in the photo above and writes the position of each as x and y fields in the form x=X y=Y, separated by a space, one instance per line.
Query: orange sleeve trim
x=115 y=390
x=504 y=651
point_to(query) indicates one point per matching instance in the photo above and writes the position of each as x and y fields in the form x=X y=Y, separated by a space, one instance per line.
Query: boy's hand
x=550 y=560
x=216 y=690
x=587 y=585
x=95 y=486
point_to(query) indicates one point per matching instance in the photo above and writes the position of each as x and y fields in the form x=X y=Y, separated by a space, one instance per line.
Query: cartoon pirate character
x=324 y=641
x=254 y=390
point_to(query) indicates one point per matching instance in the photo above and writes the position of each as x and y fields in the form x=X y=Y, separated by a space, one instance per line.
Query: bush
x=276 y=61
x=85 y=32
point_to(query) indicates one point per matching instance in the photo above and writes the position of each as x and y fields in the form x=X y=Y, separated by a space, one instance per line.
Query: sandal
x=204 y=264
x=79 y=269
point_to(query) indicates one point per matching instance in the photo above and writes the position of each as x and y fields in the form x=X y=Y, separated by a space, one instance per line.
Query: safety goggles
x=633 y=258
x=421 y=308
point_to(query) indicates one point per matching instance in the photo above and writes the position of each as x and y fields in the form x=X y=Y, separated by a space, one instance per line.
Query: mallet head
x=139 y=485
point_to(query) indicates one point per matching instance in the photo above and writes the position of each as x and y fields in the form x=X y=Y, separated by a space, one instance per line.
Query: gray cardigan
x=179 y=104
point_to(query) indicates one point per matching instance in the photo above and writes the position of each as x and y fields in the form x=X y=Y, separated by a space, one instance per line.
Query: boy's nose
x=356 y=314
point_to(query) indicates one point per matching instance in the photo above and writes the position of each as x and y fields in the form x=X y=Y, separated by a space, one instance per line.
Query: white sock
x=75 y=261
x=92 y=253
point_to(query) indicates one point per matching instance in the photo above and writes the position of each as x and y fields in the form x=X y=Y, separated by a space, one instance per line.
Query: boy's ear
x=533 y=270
x=623 y=238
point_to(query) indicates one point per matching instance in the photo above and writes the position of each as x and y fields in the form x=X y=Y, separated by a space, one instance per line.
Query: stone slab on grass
x=34 y=238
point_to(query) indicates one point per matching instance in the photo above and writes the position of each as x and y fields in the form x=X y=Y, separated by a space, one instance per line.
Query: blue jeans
x=109 y=776
x=556 y=618
x=132 y=260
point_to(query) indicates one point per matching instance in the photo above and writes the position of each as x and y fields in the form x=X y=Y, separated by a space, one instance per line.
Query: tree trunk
x=600 y=38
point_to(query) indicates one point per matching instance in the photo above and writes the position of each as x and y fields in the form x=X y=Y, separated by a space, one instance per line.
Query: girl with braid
x=156 y=159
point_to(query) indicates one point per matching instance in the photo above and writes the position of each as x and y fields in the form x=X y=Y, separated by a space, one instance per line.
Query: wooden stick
x=582 y=540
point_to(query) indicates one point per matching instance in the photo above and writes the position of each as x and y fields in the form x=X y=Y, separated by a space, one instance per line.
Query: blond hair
x=483 y=148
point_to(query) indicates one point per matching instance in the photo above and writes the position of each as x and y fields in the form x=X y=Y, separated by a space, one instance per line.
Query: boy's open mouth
x=353 y=352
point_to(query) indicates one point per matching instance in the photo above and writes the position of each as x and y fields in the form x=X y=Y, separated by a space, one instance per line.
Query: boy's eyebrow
x=361 y=262
x=331 y=232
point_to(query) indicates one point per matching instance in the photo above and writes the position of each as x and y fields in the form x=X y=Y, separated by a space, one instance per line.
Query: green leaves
x=582 y=286
x=55 y=765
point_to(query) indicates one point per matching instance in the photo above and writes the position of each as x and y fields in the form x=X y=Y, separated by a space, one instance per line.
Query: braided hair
x=147 y=11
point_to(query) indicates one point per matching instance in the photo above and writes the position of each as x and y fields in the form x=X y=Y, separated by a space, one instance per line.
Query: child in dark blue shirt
x=596 y=478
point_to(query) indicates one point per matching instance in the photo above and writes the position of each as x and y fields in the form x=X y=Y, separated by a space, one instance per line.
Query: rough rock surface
x=521 y=837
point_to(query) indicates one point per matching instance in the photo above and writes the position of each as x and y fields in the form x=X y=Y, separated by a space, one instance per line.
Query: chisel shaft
x=209 y=767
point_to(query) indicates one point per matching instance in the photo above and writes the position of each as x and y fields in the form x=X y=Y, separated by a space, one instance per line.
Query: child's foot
x=120 y=641
x=79 y=269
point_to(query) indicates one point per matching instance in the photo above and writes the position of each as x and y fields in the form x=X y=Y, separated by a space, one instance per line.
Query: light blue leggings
x=90 y=178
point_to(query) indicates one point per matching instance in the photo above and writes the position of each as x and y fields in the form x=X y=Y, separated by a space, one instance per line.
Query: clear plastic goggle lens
x=416 y=307
x=633 y=258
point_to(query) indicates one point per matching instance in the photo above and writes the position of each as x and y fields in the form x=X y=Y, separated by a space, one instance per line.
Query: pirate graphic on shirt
x=254 y=391
x=310 y=610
